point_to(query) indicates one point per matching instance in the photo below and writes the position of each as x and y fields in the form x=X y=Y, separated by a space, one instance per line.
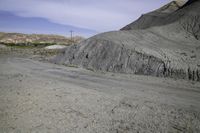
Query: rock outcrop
x=165 y=45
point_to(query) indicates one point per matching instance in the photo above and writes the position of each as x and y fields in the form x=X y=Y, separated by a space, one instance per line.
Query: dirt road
x=41 y=97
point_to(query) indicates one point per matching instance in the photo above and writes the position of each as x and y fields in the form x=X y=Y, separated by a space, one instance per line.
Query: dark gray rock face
x=107 y=56
x=170 y=50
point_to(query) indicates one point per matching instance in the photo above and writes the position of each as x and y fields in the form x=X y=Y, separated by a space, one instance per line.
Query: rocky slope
x=157 y=17
x=29 y=39
x=162 y=43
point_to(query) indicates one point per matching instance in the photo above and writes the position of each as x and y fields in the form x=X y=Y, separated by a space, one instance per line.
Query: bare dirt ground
x=37 y=97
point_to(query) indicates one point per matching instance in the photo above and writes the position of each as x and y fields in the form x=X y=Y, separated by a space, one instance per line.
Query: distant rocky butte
x=165 y=43
x=20 y=39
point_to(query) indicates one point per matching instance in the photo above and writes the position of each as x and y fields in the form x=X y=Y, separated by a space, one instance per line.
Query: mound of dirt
x=162 y=43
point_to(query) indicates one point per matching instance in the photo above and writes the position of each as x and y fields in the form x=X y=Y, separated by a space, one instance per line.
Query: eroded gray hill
x=157 y=17
x=170 y=47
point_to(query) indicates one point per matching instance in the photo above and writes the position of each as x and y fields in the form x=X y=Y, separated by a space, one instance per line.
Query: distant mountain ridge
x=19 y=38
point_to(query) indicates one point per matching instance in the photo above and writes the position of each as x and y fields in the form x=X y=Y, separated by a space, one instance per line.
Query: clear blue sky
x=85 y=17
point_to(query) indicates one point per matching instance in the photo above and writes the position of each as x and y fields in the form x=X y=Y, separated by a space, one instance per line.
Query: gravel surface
x=43 y=97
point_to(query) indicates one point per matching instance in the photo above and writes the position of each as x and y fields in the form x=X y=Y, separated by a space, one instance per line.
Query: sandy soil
x=43 y=97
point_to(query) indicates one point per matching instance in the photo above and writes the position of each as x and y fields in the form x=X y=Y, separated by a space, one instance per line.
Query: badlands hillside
x=165 y=42
x=41 y=97
x=35 y=39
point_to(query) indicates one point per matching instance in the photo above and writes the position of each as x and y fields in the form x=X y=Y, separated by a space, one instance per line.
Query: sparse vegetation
x=28 y=45
x=30 y=51
x=36 y=40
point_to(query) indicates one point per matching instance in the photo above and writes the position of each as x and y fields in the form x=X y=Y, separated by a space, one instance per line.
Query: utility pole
x=71 y=33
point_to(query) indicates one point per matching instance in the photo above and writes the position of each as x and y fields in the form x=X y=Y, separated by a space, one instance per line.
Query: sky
x=84 y=17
